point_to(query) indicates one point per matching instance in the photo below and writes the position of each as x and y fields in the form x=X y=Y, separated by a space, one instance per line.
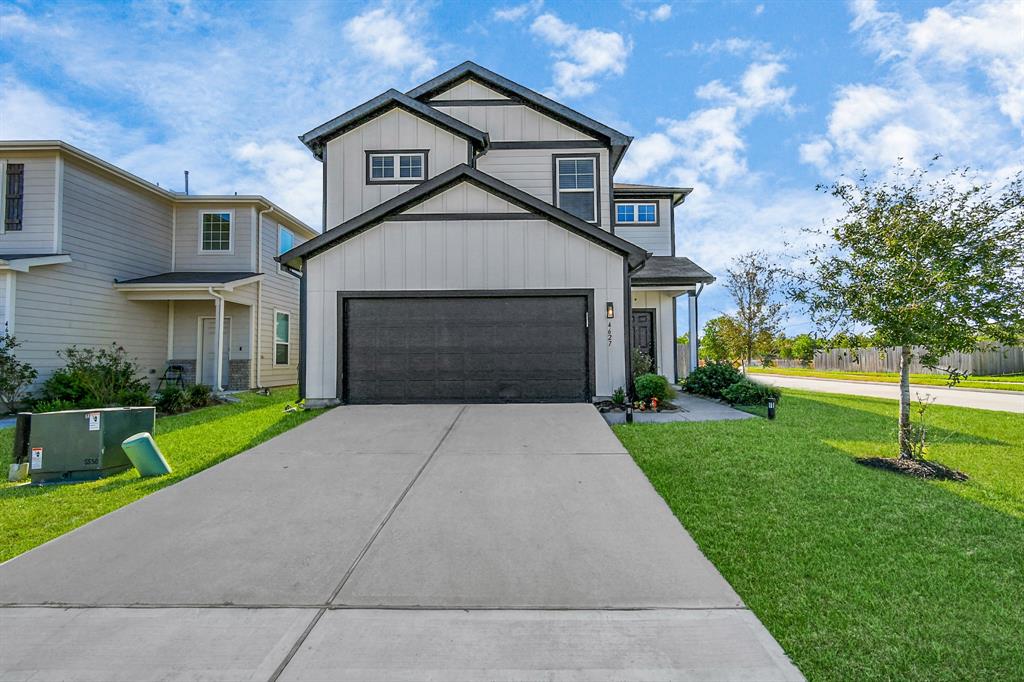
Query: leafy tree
x=923 y=263
x=684 y=339
x=15 y=375
x=713 y=346
x=803 y=347
x=754 y=283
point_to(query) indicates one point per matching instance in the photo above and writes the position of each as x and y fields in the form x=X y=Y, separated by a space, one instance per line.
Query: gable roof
x=316 y=138
x=450 y=178
x=469 y=70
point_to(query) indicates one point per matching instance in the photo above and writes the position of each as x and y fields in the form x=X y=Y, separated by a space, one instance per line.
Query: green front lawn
x=31 y=515
x=860 y=574
x=1009 y=382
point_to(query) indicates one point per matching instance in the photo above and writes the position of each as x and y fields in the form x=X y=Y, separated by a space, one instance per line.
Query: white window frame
x=636 y=213
x=593 y=190
x=231 y=232
x=396 y=158
x=286 y=343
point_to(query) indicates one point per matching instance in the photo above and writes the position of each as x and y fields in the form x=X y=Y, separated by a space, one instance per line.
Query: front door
x=642 y=333
x=208 y=350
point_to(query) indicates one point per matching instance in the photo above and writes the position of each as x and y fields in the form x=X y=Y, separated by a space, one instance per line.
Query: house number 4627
x=609 y=333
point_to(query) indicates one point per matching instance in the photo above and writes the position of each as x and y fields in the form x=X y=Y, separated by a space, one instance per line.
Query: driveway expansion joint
x=359 y=557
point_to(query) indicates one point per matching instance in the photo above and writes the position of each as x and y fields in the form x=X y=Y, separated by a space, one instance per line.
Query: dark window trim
x=14 y=201
x=657 y=213
x=588 y=294
x=398 y=181
x=597 y=182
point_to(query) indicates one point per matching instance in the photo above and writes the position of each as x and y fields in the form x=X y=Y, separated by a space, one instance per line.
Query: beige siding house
x=91 y=255
x=480 y=251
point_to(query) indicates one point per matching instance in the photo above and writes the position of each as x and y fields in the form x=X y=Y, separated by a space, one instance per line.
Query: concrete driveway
x=513 y=542
x=1005 y=401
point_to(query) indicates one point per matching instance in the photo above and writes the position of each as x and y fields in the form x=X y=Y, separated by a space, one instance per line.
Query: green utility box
x=83 y=445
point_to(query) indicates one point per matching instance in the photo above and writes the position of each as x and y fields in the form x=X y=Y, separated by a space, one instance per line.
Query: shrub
x=15 y=375
x=198 y=395
x=747 y=392
x=95 y=378
x=53 y=406
x=171 y=400
x=619 y=396
x=712 y=379
x=653 y=386
x=641 y=362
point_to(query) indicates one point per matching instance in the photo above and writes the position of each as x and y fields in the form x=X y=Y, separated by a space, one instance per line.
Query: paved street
x=1006 y=401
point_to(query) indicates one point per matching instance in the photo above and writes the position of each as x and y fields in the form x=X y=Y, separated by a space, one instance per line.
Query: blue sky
x=751 y=103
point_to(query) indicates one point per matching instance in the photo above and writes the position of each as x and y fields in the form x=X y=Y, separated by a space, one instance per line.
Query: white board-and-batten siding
x=468 y=89
x=461 y=255
x=348 y=193
x=532 y=170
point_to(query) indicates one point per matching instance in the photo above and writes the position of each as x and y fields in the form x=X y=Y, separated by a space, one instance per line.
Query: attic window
x=396 y=167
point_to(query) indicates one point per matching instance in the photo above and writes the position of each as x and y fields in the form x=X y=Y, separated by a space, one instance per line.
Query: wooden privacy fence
x=989 y=359
x=682 y=360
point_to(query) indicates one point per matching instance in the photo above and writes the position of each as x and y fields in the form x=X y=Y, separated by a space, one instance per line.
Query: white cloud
x=928 y=100
x=758 y=10
x=386 y=37
x=517 y=12
x=660 y=13
x=285 y=169
x=708 y=144
x=759 y=49
x=581 y=55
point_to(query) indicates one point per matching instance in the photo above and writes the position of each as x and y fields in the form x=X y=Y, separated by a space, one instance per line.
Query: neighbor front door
x=209 y=351
x=642 y=333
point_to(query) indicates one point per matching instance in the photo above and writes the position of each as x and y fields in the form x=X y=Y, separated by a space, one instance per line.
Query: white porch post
x=693 y=330
x=219 y=332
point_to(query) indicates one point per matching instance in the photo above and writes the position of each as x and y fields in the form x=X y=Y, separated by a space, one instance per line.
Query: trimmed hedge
x=711 y=380
x=747 y=392
x=653 y=386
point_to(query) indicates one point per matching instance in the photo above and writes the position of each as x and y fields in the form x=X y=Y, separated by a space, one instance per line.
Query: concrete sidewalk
x=1004 y=401
x=513 y=542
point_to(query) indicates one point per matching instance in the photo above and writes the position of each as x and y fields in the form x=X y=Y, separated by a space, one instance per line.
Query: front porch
x=211 y=324
x=655 y=289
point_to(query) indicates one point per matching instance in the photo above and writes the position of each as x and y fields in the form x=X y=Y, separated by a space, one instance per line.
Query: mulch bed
x=913 y=467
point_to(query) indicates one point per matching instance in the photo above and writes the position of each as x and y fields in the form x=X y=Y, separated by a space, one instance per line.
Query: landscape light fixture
x=771 y=408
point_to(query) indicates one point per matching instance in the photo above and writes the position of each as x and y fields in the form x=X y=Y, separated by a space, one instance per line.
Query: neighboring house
x=92 y=255
x=480 y=250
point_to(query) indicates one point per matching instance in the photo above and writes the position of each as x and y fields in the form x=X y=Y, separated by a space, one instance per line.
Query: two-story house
x=92 y=255
x=480 y=251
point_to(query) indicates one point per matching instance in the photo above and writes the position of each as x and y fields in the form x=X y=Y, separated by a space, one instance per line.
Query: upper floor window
x=13 y=196
x=636 y=214
x=396 y=167
x=576 y=186
x=285 y=240
x=216 y=234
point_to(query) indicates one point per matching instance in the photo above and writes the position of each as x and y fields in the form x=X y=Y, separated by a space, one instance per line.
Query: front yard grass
x=860 y=574
x=1007 y=382
x=191 y=442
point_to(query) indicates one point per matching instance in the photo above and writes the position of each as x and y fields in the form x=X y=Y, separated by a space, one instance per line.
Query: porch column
x=693 y=330
x=218 y=381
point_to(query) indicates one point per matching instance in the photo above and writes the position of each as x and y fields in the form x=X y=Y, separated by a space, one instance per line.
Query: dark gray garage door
x=465 y=349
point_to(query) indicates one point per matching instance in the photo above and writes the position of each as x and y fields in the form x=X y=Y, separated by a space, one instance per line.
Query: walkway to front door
x=497 y=542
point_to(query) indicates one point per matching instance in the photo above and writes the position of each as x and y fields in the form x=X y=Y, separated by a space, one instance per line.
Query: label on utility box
x=37 y=458
x=94 y=421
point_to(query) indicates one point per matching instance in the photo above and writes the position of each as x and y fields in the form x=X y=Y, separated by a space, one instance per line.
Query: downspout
x=257 y=354
x=218 y=377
